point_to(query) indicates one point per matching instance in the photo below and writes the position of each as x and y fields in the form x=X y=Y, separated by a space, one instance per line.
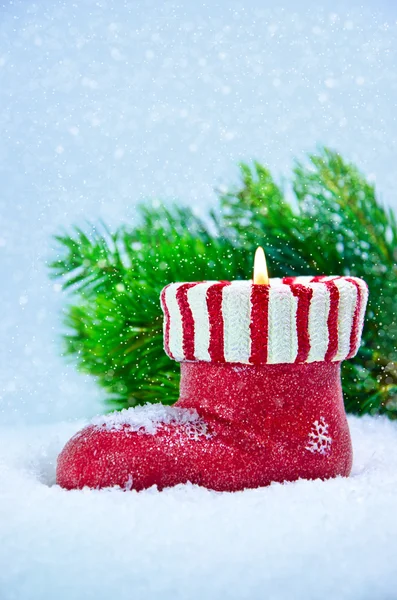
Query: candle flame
x=260 y=269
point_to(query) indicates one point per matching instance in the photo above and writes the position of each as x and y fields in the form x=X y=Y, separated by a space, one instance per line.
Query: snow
x=309 y=539
x=150 y=417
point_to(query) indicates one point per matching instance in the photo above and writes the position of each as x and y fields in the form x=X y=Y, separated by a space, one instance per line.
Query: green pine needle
x=335 y=226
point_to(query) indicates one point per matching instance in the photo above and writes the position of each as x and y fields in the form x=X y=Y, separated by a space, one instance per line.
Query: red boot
x=260 y=396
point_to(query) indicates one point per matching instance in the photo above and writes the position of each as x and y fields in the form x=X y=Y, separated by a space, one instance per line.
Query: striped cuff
x=295 y=319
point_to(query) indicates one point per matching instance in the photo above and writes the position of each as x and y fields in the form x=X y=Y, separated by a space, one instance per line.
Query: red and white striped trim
x=295 y=319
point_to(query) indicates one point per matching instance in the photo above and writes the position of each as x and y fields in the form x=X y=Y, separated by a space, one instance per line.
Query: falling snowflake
x=319 y=440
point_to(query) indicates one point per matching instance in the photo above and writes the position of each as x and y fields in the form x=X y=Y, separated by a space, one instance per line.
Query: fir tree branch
x=337 y=226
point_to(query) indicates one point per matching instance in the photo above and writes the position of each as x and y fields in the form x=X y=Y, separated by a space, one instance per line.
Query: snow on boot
x=260 y=393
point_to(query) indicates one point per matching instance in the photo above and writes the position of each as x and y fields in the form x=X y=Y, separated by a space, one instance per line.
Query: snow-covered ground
x=310 y=539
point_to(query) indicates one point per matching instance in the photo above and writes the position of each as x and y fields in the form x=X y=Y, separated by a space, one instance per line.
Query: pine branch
x=337 y=226
x=116 y=324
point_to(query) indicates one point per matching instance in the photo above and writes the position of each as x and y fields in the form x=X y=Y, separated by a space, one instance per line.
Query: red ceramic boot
x=260 y=396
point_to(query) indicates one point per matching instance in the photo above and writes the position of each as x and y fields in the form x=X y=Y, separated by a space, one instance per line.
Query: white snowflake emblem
x=197 y=429
x=319 y=439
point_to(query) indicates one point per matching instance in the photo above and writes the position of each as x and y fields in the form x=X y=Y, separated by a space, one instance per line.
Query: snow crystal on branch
x=319 y=439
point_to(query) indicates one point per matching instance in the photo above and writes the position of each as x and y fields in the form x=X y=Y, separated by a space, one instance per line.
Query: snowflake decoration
x=319 y=439
x=197 y=429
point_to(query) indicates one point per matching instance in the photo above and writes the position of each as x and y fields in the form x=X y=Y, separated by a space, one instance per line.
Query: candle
x=260 y=392
x=278 y=320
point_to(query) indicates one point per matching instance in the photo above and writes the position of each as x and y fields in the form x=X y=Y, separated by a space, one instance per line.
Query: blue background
x=107 y=104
